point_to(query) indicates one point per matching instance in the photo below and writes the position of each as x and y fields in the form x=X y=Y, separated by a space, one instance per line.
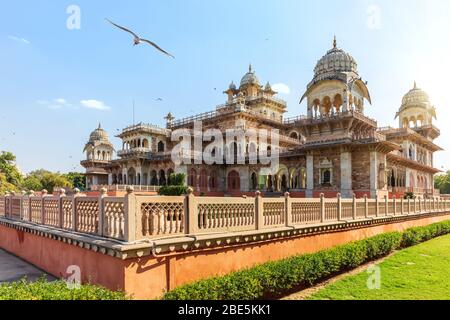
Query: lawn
x=421 y=272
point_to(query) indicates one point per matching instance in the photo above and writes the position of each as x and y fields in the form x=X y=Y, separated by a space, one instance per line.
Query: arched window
x=192 y=179
x=234 y=181
x=162 y=178
x=213 y=181
x=284 y=183
x=254 y=181
x=326 y=176
x=203 y=180
x=169 y=176
x=294 y=135
x=154 y=178
x=269 y=183
x=302 y=178
x=326 y=104
x=145 y=143
x=161 y=146
x=337 y=103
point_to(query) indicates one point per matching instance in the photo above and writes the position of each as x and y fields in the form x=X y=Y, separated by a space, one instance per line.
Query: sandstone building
x=334 y=148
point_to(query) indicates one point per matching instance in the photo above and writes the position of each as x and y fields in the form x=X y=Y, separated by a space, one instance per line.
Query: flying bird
x=139 y=40
x=159 y=99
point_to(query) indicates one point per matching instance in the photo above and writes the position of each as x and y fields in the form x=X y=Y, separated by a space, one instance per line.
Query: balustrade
x=137 y=217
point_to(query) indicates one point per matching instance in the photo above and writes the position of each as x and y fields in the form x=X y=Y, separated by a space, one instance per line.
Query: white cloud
x=281 y=88
x=54 y=104
x=21 y=40
x=61 y=101
x=95 y=104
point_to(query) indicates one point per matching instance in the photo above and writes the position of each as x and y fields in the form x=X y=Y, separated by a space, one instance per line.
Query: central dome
x=98 y=135
x=335 y=61
x=250 y=78
x=416 y=97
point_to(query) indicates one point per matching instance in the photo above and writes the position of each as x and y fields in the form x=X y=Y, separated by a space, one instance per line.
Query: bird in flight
x=139 y=40
x=159 y=99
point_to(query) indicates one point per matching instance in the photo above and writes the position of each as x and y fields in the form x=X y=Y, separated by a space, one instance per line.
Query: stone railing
x=121 y=187
x=141 y=218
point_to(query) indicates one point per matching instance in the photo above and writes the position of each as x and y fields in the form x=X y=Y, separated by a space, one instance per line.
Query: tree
x=5 y=185
x=50 y=180
x=442 y=182
x=77 y=180
x=9 y=168
x=32 y=183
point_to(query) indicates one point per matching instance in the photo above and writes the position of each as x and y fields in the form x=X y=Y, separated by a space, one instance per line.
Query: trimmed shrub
x=172 y=191
x=177 y=179
x=273 y=279
x=176 y=186
x=57 y=290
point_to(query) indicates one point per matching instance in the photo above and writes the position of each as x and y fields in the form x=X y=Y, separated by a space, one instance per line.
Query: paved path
x=13 y=269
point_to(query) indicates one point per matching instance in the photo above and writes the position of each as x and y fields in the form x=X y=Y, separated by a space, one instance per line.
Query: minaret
x=169 y=120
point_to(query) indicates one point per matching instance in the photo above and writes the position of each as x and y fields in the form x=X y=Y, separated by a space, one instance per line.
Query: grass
x=56 y=290
x=421 y=272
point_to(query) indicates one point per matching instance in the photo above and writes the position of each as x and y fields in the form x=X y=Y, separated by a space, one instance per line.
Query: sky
x=58 y=79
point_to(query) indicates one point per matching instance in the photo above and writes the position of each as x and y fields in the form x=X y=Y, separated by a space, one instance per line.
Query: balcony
x=133 y=152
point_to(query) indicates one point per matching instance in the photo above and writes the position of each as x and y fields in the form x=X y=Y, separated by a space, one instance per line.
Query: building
x=334 y=148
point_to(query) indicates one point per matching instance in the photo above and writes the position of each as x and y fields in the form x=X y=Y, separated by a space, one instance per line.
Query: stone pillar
x=345 y=104
x=124 y=176
x=408 y=178
x=139 y=176
x=373 y=174
x=110 y=179
x=309 y=175
x=310 y=109
x=95 y=180
x=346 y=174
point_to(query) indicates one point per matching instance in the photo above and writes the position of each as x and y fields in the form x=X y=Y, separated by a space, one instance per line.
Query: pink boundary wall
x=149 y=277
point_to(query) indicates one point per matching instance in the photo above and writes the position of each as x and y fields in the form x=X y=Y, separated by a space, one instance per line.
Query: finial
x=250 y=68
x=99 y=125
x=335 y=42
x=415 y=84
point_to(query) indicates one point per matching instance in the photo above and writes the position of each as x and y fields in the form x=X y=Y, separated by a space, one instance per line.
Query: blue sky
x=56 y=84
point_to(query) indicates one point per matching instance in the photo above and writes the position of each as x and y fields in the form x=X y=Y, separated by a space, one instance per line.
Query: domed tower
x=336 y=86
x=99 y=151
x=250 y=85
x=416 y=110
x=99 y=148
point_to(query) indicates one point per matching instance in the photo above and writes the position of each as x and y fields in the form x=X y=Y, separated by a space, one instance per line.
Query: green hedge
x=57 y=290
x=173 y=190
x=274 y=279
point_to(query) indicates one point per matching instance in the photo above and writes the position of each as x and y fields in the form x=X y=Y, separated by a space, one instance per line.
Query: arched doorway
x=131 y=176
x=234 y=181
x=203 y=180
x=154 y=178
x=284 y=185
x=192 y=179
x=254 y=180
x=213 y=181
x=162 y=178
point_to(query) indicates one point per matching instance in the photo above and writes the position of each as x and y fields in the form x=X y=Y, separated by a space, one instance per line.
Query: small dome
x=99 y=135
x=250 y=78
x=268 y=87
x=335 y=61
x=232 y=86
x=416 y=97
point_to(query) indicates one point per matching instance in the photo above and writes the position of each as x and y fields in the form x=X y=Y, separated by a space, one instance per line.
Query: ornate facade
x=334 y=148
